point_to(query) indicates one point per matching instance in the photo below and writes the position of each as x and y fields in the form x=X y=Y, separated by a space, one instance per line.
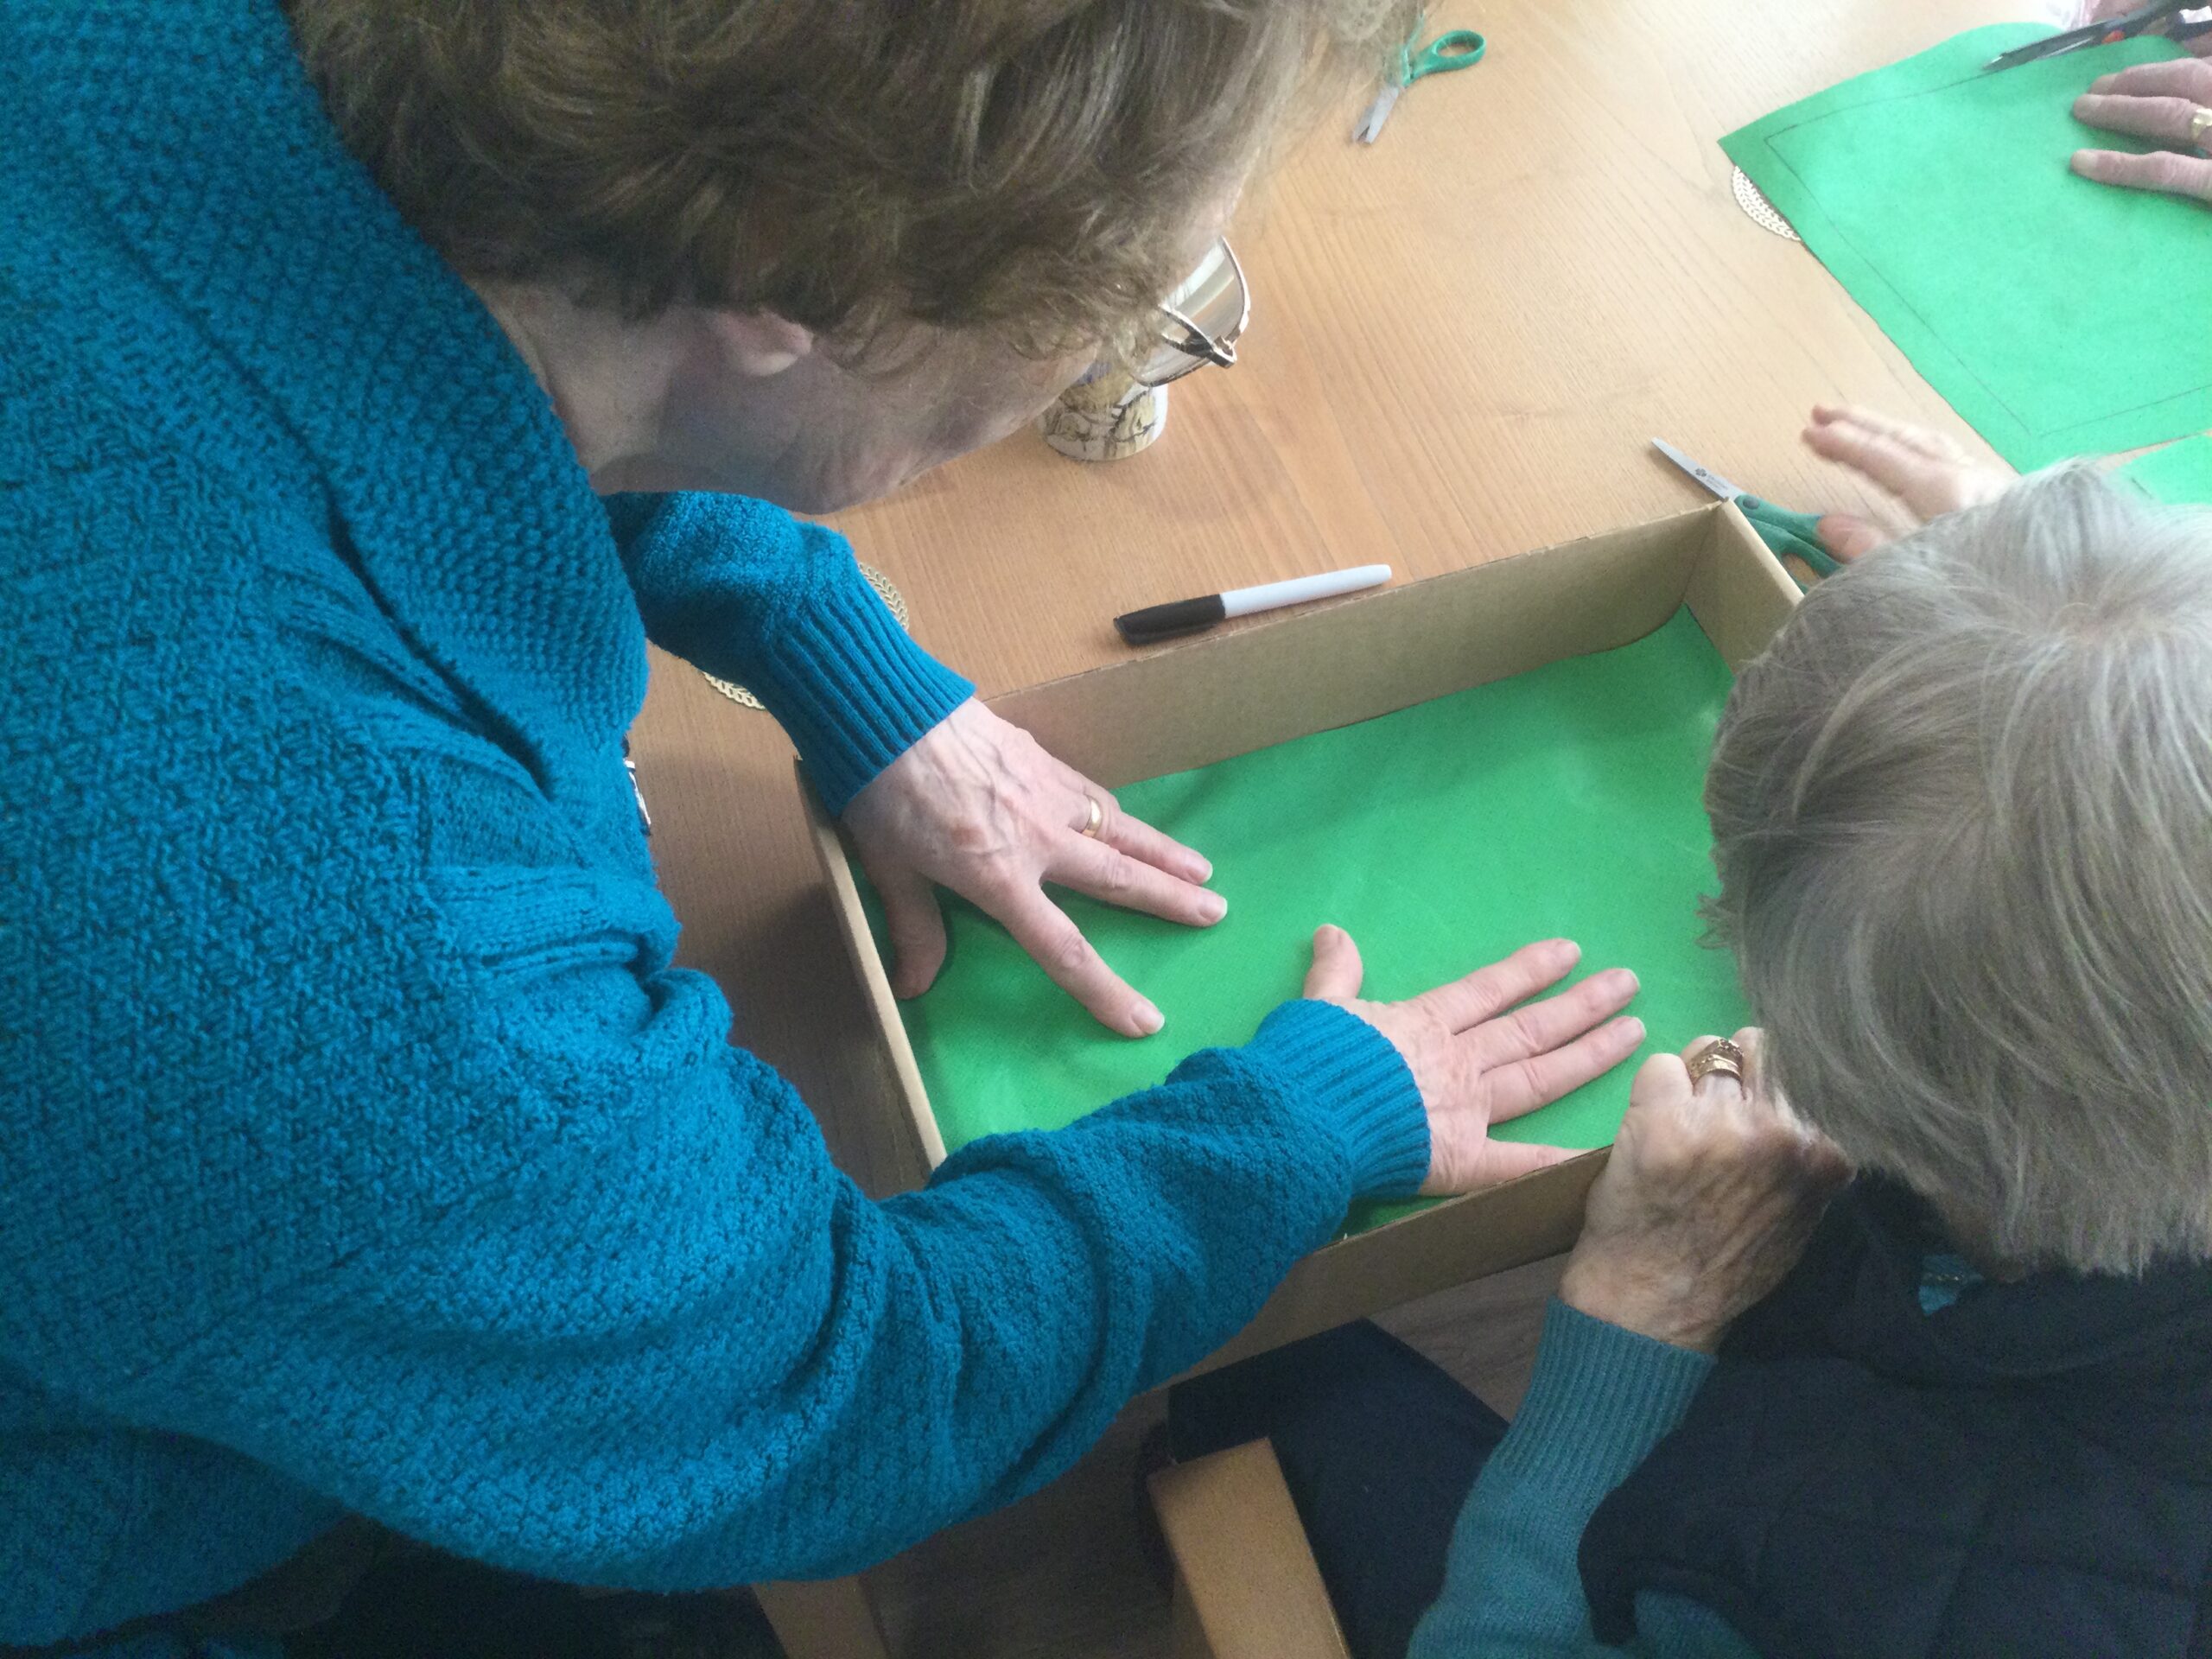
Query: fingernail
x=1634 y=1030
x=1205 y=868
x=1146 y=1020
x=1212 y=907
x=1621 y=979
x=2102 y=83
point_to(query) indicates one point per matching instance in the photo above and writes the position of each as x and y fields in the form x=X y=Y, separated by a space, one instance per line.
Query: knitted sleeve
x=746 y=591
x=407 y=1166
x=680 y=1351
x=1601 y=1398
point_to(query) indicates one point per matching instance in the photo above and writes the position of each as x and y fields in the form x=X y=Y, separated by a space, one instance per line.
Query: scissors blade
x=1370 y=124
x=1705 y=475
x=2096 y=34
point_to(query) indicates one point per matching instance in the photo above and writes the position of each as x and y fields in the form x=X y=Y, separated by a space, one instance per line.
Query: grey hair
x=1962 y=816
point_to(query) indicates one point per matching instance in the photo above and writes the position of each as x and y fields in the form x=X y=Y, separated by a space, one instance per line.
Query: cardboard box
x=1223 y=694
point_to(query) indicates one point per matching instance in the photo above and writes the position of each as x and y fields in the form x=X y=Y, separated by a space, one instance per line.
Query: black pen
x=1193 y=615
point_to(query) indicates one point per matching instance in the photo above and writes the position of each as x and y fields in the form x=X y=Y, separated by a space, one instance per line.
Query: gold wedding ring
x=1719 y=1057
x=2199 y=125
x=1097 y=816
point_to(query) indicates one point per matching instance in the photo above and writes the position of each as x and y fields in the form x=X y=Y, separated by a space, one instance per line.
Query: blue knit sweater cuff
x=852 y=688
x=747 y=591
x=1356 y=1080
x=1601 y=1398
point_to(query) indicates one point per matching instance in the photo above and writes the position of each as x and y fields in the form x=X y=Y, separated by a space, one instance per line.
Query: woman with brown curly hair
x=379 y=377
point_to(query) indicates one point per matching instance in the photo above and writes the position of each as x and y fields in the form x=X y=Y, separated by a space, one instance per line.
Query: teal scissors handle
x=1455 y=48
x=1785 y=531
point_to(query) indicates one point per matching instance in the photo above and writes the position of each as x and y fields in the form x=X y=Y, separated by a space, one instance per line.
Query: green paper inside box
x=1563 y=801
x=1448 y=769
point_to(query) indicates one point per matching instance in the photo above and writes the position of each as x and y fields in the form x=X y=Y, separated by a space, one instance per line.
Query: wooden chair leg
x=1245 y=1586
x=831 y=1618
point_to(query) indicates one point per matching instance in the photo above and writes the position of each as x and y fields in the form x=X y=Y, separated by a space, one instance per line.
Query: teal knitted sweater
x=1600 y=1399
x=360 y=1150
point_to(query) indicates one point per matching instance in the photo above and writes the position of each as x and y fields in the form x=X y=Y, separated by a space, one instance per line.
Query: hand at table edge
x=1928 y=472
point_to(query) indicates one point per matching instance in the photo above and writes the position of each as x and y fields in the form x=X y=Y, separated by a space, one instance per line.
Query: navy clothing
x=2026 y=1472
x=1379 y=1448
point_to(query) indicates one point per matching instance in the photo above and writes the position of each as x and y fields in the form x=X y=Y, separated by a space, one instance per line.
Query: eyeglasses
x=1201 y=321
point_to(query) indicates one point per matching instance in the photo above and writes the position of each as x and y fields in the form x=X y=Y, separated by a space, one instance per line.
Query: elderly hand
x=978 y=806
x=1482 y=1053
x=1926 y=471
x=2157 y=101
x=1708 y=1202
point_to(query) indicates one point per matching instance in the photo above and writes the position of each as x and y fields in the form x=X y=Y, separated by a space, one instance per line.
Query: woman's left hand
x=2156 y=101
x=979 y=807
x=1706 y=1203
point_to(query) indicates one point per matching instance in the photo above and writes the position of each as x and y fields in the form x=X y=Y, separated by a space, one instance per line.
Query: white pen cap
x=1300 y=590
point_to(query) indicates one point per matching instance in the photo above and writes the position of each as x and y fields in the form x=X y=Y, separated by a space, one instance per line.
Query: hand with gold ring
x=979 y=807
x=1711 y=1191
x=2169 y=103
x=1715 y=1057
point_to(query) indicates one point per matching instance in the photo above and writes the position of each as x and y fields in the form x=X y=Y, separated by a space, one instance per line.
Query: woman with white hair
x=1962 y=818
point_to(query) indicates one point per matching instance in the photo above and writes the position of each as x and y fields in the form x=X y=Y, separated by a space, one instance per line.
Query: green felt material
x=2180 y=474
x=2058 y=316
x=1564 y=802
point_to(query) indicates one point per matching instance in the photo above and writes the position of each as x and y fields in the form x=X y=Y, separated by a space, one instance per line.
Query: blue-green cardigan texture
x=360 y=1149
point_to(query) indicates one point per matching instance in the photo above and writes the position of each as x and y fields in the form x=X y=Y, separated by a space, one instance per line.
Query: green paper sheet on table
x=1562 y=801
x=2058 y=316
x=2179 y=474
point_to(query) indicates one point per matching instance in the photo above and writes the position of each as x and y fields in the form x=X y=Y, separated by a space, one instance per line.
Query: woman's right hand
x=1706 y=1203
x=2156 y=101
x=1926 y=471
x=1481 y=1052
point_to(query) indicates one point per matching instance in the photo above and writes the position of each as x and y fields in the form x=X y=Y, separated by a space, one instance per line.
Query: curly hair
x=1032 y=167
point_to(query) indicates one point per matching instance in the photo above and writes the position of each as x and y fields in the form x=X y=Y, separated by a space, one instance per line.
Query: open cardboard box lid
x=1192 y=703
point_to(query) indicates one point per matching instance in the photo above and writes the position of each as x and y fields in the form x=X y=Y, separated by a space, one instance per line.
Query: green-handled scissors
x=1782 y=530
x=1455 y=48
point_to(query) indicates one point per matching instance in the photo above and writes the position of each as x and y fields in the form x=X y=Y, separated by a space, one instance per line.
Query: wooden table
x=1462 y=339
